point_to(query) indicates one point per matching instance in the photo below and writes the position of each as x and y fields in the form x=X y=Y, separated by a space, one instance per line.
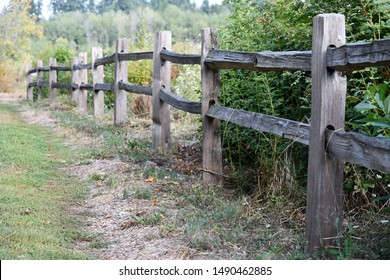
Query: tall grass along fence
x=329 y=145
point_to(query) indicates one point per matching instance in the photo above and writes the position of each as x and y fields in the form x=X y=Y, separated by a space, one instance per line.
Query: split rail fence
x=329 y=145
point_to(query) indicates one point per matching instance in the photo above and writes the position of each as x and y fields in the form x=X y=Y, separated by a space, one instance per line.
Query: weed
x=142 y=193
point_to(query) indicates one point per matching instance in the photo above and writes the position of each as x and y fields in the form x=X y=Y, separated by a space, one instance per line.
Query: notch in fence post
x=52 y=79
x=30 y=96
x=211 y=146
x=161 y=79
x=121 y=72
x=83 y=93
x=39 y=79
x=75 y=80
x=324 y=212
x=98 y=78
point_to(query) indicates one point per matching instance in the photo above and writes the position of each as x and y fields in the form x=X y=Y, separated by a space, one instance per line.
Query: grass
x=235 y=220
x=35 y=193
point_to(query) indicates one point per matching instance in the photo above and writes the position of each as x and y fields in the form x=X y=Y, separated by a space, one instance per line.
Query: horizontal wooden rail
x=62 y=85
x=32 y=84
x=31 y=71
x=370 y=152
x=261 y=61
x=82 y=66
x=296 y=131
x=359 y=55
x=86 y=87
x=43 y=83
x=135 y=88
x=105 y=60
x=135 y=56
x=43 y=69
x=102 y=86
x=180 y=103
x=179 y=58
x=60 y=68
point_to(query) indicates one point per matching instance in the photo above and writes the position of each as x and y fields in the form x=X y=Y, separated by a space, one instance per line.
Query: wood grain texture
x=75 y=80
x=52 y=79
x=161 y=79
x=262 y=61
x=296 y=131
x=104 y=86
x=357 y=56
x=97 y=78
x=62 y=85
x=121 y=72
x=211 y=87
x=83 y=94
x=39 y=79
x=104 y=60
x=324 y=211
x=61 y=68
x=135 y=56
x=356 y=148
x=30 y=95
x=179 y=58
x=180 y=103
x=129 y=87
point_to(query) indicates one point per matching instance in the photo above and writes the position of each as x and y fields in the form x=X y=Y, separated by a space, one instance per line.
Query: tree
x=35 y=9
x=17 y=27
x=62 y=6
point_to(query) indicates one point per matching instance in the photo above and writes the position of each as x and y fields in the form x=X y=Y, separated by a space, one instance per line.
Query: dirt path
x=126 y=216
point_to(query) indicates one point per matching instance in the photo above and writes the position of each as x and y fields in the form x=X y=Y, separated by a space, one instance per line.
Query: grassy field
x=35 y=195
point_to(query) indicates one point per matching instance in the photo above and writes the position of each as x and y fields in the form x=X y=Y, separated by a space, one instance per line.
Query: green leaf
x=386 y=105
x=379 y=124
x=362 y=106
x=378 y=99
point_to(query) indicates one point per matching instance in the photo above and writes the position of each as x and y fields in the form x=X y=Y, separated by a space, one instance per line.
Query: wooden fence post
x=98 y=77
x=52 y=79
x=83 y=93
x=324 y=212
x=211 y=146
x=30 y=96
x=161 y=79
x=39 y=80
x=121 y=72
x=75 y=80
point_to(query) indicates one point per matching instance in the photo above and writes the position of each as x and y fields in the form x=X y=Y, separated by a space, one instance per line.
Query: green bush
x=281 y=26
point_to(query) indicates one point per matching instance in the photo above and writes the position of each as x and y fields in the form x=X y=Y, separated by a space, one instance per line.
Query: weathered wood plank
x=359 y=55
x=261 y=61
x=324 y=211
x=135 y=56
x=211 y=88
x=61 y=68
x=86 y=87
x=43 y=69
x=43 y=83
x=62 y=85
x=136 y=88
x=39 y=79
x=82 y=66
x=370 y=152
x=180 y=103
x=179 y=58
x=31 y=71
x=52 y=79
x=161 y=128
x=83 y=85
x=296 y=131
x=105 y=87
x=75 y=80
x=121 y=72
x=105 y=60
x=30 y=95
x=32 y=84
x=98 y=77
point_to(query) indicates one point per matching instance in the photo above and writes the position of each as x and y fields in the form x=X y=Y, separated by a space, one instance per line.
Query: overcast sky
x=46 y=3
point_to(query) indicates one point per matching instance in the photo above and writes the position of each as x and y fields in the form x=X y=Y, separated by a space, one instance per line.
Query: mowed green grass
x=35 y=195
